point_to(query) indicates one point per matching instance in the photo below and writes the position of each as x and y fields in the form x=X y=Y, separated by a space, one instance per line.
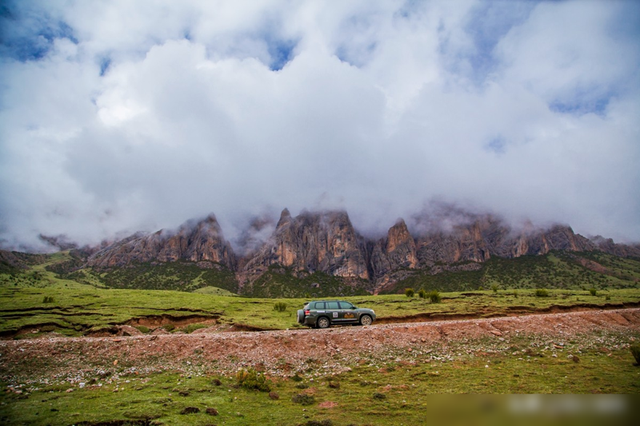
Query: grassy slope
x=388 y=393
x=75 y=310
x=554 y=270
x=89 y=300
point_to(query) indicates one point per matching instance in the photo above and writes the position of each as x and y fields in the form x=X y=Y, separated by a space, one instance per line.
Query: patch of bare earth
x=286 y=352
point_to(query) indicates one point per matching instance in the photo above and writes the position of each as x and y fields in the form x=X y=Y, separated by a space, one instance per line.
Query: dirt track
x=323 y=351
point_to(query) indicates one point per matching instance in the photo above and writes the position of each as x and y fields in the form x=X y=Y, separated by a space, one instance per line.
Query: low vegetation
x=377 y=393
x=82 y=309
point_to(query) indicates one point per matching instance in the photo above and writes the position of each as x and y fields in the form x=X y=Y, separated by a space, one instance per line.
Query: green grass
x=557 y=269
x=282 y=282
x=386 y=394
x=81 y=308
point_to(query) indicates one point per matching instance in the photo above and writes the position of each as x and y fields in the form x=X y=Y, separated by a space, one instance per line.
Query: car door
x=333 y=309
x=347 y=312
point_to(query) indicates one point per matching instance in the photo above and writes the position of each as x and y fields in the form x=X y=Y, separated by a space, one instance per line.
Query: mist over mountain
x=327 y=243
x=120 y=117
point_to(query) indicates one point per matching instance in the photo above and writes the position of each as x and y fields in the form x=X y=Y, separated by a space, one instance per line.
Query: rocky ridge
x=327 y=242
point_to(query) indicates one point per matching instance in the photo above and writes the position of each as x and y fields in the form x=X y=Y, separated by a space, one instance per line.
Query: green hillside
x=559 y=270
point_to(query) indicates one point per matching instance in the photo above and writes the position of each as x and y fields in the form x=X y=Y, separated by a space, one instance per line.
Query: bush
x=303 y=399
x=434 y=296
x=193 y=327
x=541 y=292
x=494 y=287
x=422 y=294
x=169 y=327
x=635 y=351
x=379 y=396
x=593 y=291
x=280 y=307
x=251 y=379
x=47 y=299
x=142 y=329
x=409 y=292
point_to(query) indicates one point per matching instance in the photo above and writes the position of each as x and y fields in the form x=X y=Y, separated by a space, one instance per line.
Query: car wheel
x=301 y=316
x=366 y=320
x=323 y=322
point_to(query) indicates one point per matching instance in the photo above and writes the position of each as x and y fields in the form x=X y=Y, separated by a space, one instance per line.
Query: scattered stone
x=274 y=395
x=211 y=411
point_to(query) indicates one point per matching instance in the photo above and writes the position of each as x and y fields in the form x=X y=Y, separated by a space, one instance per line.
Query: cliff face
x=311 y=242
x=196 y=242
x=327 y=242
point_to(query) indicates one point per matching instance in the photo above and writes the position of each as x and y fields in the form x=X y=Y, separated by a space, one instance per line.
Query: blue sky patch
x=26 y=37
x=572 y=106
x=281 y=52
x=105 y=63
x=497 y=145
x=488 y=23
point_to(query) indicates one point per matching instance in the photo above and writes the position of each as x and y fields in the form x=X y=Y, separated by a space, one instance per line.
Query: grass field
x=386 y=394
x=78 y=309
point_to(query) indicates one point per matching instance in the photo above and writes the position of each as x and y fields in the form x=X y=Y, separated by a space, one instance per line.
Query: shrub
x=409 y=292
x=193 y=327
x=142 y=328
x=494 y=287
x=635 y=351
x=303 y=399
x=515 y=293
x=251 y=379
x=47 y=299
x=379 y=396
x=422 y=294
x=607 y=297
x=280 y=307
x=593 y=291
x=542 y=292
x=169 y=327
x=434 y=296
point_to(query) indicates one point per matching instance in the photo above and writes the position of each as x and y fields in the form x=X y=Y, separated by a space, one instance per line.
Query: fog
x=120 y=116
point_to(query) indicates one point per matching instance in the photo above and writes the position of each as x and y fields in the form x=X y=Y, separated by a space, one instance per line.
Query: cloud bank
x=122 y=116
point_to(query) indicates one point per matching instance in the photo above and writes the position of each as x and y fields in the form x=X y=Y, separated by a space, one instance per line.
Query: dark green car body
x=324 y=313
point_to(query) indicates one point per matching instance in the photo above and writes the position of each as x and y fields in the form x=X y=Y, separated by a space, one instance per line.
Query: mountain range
x=321 y=252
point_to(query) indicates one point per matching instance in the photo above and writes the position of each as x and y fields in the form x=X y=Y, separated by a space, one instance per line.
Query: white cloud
x=139 y=115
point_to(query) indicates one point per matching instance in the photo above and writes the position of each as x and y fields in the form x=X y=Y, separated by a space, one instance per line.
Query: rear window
x=332 y=305
x=319 y=305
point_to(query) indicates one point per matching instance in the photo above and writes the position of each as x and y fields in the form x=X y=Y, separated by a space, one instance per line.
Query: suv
x=324 y=313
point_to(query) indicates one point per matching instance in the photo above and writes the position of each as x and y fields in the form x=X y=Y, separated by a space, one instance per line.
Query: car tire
x=301 y=316
x=323 y=322
x=366 y=320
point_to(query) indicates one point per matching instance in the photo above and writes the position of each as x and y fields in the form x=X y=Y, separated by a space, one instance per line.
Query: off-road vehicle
x=324 y=313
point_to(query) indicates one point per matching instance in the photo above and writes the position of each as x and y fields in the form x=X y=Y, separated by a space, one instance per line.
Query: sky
x=122 y=116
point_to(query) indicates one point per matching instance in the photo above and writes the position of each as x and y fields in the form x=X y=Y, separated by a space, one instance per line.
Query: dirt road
x=286 y=352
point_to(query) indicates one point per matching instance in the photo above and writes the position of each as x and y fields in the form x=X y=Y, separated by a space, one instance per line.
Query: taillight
x=307 y=312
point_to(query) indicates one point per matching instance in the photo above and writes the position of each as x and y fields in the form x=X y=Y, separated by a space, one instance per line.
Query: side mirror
x=353 y=307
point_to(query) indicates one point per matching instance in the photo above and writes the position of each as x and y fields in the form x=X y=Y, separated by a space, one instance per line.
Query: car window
x=346 y=305
x=332 y=305
x=319 y=305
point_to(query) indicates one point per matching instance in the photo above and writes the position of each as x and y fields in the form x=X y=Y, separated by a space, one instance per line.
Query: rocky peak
x=312 y=242
x=285 y=218
x=193 y=241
